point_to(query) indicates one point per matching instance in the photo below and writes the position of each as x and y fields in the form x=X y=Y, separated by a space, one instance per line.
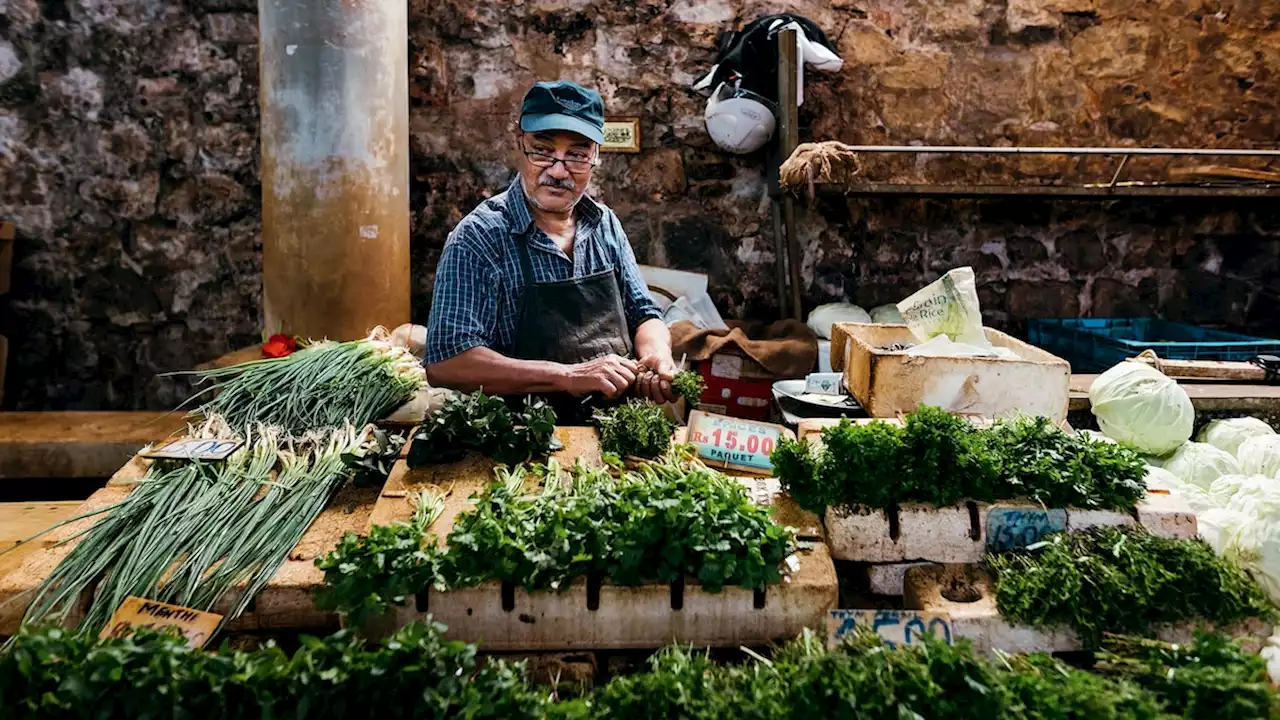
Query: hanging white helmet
x=739 y=120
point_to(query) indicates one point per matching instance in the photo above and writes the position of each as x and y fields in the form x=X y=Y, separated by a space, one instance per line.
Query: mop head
x=823 y=162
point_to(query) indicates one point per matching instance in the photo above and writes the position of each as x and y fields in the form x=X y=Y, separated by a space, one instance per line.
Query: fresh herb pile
x=191 y=532
x=938 y=458
x=326 y=384
x=484 y=424
x=690 y=386
x=1123 y=580
x=637 y=428
x=416 y=673
x=665 y=521
x=365 y=575
x=1212 y=678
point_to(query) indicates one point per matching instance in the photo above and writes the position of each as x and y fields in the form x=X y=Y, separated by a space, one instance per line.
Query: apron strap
x=526 y=263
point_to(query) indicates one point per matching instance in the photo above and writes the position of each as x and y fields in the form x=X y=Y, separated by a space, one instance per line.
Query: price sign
x=136 y=612
x=194 y=449
x=733 y=442
x=1011 y=528
x=895 y=627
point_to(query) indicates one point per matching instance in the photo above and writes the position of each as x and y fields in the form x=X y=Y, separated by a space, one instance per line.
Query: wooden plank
x=234 y=357
x=1206 y=369
x=77 y=444
x=21 y=520
x=1207 y=396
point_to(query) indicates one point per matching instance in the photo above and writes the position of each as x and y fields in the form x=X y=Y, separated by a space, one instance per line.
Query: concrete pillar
x=335 y=166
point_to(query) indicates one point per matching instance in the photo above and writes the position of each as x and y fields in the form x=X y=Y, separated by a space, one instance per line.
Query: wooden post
x=788 y=138
x=335 y=166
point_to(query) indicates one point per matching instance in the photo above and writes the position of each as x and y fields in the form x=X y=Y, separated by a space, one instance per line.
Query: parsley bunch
x=483 y=423
x=1123 y=580
x=666 y=521
x=637 y=428
x=53 y=673
x=1212 y=678
x=940 y=459
x=690 y=386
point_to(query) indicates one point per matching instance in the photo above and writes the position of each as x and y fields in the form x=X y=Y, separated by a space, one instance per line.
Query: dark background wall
x=128 y=160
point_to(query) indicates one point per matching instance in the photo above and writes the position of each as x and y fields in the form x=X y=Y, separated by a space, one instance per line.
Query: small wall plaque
x=621 y=135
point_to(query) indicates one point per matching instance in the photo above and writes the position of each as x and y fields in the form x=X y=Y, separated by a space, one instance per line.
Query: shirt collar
x=521 y=216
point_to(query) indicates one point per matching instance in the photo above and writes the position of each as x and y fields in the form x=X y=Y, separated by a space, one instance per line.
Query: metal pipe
x=789 y=136
x=978 y=150
x=335 y=166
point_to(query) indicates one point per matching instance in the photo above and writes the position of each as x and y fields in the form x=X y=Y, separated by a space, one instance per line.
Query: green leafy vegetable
x=416 y=673
x=690 y=386
x=1210 y=679
x=635 y=429
x=483 y=423
x=665 y=521
x=938 y=458
x=1123 y=580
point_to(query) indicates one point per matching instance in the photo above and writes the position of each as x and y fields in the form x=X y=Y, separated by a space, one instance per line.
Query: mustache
x=562 y=183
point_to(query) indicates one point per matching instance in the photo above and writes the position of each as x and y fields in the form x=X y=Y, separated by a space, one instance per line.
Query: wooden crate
x=887 y=383
x=610 y=617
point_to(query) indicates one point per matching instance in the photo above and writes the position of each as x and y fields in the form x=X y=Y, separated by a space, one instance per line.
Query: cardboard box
x=887 y=383
x=737 y=386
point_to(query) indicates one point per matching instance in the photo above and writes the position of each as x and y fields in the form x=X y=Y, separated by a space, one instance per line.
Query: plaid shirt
x=479 y=284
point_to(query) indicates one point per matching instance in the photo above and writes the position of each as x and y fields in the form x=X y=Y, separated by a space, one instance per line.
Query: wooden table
x=1205 y=396
x=77 y=444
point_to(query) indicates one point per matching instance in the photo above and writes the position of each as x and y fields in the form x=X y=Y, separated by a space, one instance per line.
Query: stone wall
x=128 y=147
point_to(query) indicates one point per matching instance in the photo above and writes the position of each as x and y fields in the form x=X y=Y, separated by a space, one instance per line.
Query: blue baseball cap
x=563 y=105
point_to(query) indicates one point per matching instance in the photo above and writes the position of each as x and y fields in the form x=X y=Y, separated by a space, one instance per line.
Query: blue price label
x=895 y=627
x=734 y=442
x=1012 y=528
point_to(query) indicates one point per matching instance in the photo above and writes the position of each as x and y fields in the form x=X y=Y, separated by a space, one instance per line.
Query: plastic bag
x=948 y=306
x=824 y=316
x=886 y=315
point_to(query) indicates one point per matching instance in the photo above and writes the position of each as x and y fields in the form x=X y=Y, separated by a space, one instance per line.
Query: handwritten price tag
x=895 y=627
x=136 y=612
x=733 y=442
x=194 y=449
x=1011 y=528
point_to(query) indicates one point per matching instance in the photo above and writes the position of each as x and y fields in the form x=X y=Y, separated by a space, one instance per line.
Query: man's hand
x=656 y=373
x=609 y=375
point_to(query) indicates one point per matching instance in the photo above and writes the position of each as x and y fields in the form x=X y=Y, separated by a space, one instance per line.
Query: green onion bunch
x=324 y=385
x=194 y=533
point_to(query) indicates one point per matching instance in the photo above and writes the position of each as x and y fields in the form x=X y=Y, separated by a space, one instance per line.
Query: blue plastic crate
x=1095 y=344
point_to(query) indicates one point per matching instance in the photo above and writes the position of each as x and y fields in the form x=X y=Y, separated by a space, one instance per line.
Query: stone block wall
x=128 y=159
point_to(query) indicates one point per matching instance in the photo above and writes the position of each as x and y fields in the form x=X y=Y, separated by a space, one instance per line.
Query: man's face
x=559 y=187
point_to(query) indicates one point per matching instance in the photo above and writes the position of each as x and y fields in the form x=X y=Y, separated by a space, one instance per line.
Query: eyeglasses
x=543 y=160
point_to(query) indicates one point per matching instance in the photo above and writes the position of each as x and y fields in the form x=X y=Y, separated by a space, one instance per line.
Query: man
x=537 y=290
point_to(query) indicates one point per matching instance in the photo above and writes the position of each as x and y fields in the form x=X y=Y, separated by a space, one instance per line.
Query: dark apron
x=571 y=321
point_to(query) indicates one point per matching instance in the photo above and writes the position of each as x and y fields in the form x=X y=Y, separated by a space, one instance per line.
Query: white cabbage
x=1200 y=464
x=886 y=314
x=1261 y=455
x=1161 y=479
x=1228 y=434
x=1226 y=487
x=1218 y=527
x=1141 y=406
x=1256 y=546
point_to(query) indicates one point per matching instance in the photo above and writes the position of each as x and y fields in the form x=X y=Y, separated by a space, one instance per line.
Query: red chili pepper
x=278 y=346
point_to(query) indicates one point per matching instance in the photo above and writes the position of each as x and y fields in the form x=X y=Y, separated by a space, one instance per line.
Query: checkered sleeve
x=464 y=304
x=636 y=300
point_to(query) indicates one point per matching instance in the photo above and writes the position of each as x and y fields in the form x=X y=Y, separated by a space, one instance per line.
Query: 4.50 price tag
x=733 y=442
x=1012 y=528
